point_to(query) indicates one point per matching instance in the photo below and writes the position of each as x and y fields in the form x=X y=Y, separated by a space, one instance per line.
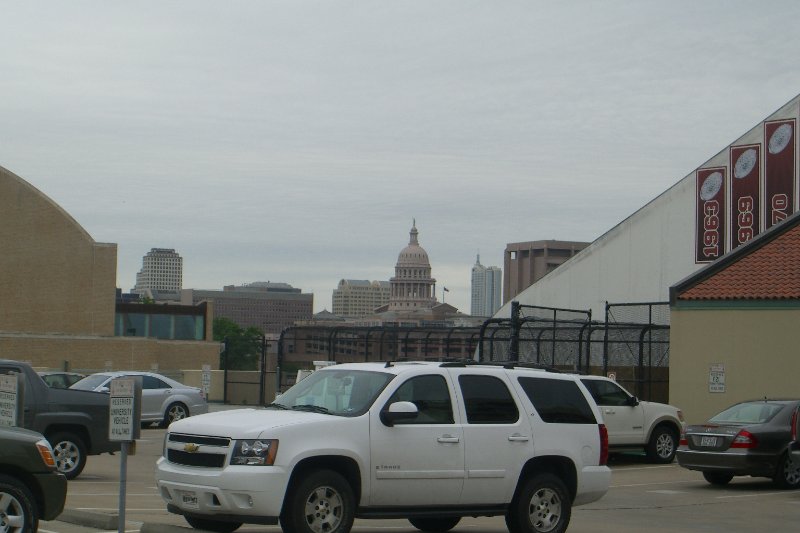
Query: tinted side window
x=605 y=392
x=558 y=401
x=151 y=382
x=487 y=400
x=431 y=396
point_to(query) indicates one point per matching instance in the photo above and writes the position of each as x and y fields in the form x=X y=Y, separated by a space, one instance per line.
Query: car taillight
x=744 y=439
x=794 y=426
x=603 y=444
x=683 y=440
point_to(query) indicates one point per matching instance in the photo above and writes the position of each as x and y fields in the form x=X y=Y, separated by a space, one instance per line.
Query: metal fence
x=631 y=345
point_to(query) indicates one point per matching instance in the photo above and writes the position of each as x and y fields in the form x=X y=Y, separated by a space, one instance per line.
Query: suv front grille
x=208 y=460
x=197 y=450
x=200 y=439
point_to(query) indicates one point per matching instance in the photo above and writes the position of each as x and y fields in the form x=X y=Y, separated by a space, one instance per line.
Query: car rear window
x=558 y=401
x=748 y=413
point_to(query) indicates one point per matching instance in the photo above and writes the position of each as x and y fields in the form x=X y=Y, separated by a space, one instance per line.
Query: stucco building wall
x=757 y=346
x=57 y=294
x=53 y=277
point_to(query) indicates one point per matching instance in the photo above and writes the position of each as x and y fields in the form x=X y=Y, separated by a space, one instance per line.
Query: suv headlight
x=258 y=452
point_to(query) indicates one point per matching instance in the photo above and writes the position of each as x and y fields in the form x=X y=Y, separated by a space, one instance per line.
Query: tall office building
x=162 y=270
x=486 y=285
x=356 y=298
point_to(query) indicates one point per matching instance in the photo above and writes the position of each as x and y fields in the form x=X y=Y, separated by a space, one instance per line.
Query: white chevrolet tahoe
x=430 y=442
x=634 y=424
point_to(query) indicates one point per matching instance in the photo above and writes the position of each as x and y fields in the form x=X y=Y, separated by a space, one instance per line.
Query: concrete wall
x=758 y=348
x=87 y=353
x=639 y=259
x=53 y=277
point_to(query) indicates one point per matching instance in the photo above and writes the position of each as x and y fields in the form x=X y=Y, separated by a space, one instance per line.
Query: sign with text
x=125 y=409
x=745 y=217
x=710 y=238
x=779 y=171
x=205 y=379
x=10 y=400
x=716 y=378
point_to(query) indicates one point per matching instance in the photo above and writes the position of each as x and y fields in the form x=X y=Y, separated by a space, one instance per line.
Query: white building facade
x=487 y=283
x=356 y=298
x=746 y=188
x=162 y=270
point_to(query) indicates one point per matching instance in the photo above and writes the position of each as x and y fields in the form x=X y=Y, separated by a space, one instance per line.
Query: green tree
x=243 y=345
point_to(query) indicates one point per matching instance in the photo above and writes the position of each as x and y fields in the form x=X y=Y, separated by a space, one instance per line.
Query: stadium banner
x=779 y=171
x=745 y=187
x=710 y=238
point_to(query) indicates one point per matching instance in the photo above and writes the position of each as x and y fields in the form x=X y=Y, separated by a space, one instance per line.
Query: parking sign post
x=124 y=425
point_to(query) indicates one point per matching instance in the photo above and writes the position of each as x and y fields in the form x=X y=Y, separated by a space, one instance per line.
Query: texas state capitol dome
x=412 y=286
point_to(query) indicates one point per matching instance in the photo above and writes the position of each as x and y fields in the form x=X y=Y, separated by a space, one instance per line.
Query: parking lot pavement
x=658 y=498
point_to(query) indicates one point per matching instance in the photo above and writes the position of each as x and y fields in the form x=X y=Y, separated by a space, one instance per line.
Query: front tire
x=787 y=476
x=662 y=446
x=718 y=478
x=320 y=502
x=435 y=525
x=212 y=525
x=70 y=453
x=543 y=505
x=18 y=514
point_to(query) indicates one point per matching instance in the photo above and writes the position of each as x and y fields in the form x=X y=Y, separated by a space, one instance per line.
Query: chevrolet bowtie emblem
x=191 y=448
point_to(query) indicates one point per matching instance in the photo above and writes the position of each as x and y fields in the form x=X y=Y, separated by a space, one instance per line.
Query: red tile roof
x=769 y=272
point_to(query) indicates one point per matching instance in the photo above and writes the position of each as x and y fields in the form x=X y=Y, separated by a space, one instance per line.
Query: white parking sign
x=124 y=413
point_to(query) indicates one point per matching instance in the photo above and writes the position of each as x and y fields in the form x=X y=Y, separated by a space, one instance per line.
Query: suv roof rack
x=503 y=364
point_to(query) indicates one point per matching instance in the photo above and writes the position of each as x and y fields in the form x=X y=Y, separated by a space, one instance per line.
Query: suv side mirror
x=633 y=401
x=399 y=411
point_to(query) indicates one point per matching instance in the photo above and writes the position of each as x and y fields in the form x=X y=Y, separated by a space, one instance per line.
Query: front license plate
x=708 y=441
x=189 y=499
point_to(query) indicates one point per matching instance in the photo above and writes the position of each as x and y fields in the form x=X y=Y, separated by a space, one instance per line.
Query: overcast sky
x=294 y=141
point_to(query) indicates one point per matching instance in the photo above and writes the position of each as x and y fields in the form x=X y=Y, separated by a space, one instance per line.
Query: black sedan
x=747 y=439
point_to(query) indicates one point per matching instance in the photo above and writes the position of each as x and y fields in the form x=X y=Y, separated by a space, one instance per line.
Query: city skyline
x=295 y=141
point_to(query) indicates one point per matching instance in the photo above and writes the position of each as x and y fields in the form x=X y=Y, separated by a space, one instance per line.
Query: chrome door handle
x=518 y=438
x=447 y=439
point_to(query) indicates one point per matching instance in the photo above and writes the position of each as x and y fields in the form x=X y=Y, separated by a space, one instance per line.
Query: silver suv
x=430 y=442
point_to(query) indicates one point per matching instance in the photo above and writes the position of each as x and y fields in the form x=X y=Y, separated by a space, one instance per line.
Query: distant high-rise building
x=162 y=270
x=486 y=285
x=527 y=262
x=355 y=298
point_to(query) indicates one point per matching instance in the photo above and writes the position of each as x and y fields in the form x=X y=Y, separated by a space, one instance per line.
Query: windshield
x=90 y=382
x=337 y=392
x=748 y=413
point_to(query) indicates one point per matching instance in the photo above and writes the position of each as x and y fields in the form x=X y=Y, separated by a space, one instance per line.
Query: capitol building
x=412 y=293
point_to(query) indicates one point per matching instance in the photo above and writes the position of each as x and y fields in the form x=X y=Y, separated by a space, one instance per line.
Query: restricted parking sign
x=125 y=409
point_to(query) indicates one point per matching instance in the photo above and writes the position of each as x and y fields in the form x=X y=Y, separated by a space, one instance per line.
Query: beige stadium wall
x=54 y=278
x=758 y=347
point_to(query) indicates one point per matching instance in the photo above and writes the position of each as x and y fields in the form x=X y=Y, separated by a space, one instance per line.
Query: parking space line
x=756 y=494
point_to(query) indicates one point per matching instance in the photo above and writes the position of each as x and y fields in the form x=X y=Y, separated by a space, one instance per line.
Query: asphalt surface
x=642 y=497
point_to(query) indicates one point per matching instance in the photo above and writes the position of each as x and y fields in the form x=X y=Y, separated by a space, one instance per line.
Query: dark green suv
x=30 y=487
